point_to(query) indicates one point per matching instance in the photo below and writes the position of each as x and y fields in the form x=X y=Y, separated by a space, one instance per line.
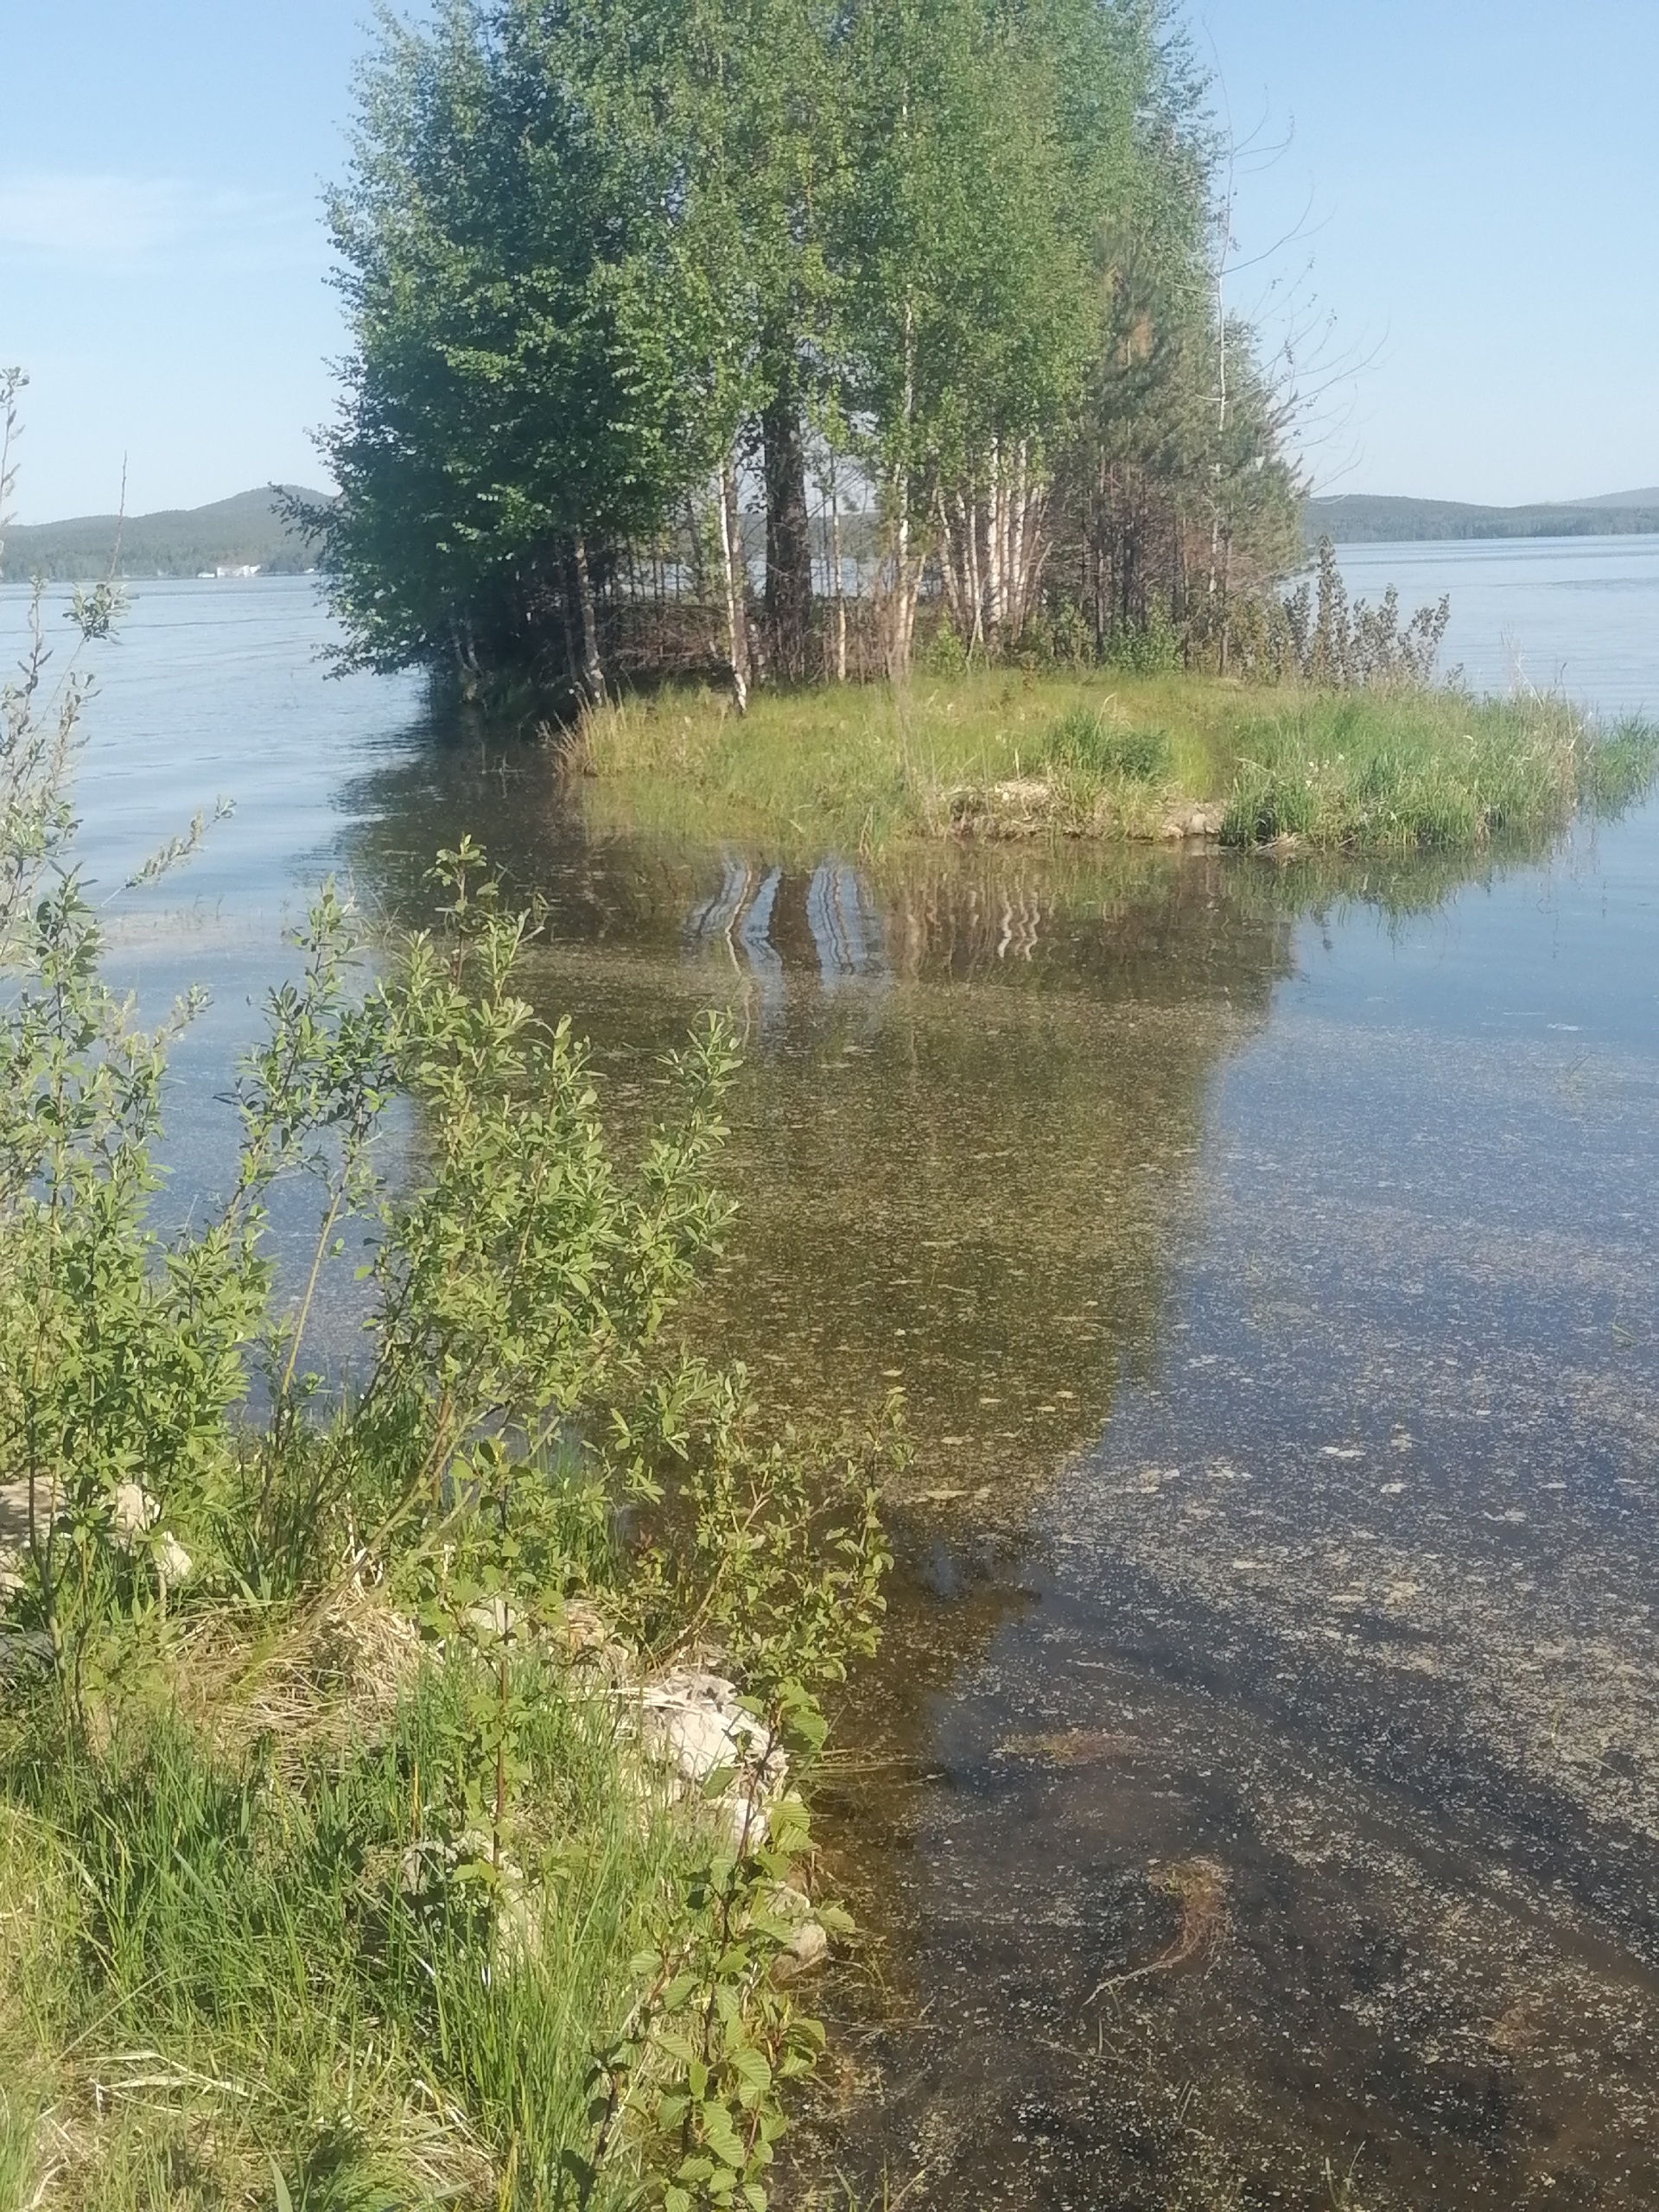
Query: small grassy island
x=1006 y=754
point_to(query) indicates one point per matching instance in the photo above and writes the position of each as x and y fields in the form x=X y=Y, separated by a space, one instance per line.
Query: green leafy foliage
x=294 y=1679
x=1151 y=647
x=610 y=273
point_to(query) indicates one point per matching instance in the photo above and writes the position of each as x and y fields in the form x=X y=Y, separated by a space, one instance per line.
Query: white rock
x=694 y=1723
x=809 y=1943
x=425 y=1867
x=173 y=1562
x=133 y=1513
x=809 y=1947
x=492 y=1620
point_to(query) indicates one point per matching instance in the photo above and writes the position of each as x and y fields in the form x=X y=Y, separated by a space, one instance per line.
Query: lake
x=1575 y=614
x=1256 y=1802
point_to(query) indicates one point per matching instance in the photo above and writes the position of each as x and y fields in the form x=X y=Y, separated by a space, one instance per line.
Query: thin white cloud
x=86 y=217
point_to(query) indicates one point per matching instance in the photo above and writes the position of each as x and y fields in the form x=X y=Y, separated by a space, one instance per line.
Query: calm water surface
x=1575 y=614
x=1263 y=1771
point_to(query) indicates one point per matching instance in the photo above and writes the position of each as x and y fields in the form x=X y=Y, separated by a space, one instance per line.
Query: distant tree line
x=1364 y=518
x=783 y=334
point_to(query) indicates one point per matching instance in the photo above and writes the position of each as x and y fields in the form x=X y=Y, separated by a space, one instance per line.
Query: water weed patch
x=1434 y=773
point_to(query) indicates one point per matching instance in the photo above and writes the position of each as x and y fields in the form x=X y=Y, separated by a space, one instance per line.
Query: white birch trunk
x=968 y=511
x=994 y=546
x=593 y=670
x=731 y=549
x=1036 y=553
x=835 y=554
x=1017 y=546
x=902 y=612
x=952 y=567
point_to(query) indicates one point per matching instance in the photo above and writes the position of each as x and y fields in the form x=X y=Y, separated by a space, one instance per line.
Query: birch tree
x=613 y=272
x=539 y=360
x=993 y=141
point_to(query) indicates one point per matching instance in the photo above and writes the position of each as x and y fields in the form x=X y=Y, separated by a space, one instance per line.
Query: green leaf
x=752 y=2069
x=720 y=2133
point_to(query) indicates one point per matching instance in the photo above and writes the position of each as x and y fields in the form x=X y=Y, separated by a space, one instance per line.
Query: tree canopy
x=681 y=326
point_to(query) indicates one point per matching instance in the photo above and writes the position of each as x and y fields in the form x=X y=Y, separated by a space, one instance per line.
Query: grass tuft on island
x=1007 y=755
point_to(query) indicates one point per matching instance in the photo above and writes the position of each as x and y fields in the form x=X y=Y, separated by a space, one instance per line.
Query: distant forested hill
x=1359 y=519
x=245 y=532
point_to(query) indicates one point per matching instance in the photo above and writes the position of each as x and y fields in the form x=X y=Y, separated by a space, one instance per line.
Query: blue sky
x=1470 y=193
x=1478 y=185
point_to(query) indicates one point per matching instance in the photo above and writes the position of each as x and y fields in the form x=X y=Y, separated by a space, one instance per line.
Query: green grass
x=1427 y=773
x=216 y=1971
x=1008 y=754
x=33 y=1899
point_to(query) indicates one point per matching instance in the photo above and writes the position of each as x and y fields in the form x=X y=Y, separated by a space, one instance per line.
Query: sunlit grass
x=1007 y=754
x=217 y=1967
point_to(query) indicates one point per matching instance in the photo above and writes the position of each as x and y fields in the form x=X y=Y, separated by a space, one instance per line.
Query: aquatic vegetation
x=1620 y=767
x=1448 y=774
x=1198 y=1888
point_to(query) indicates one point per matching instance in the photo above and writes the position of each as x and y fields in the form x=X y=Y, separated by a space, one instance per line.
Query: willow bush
x=343 y=1879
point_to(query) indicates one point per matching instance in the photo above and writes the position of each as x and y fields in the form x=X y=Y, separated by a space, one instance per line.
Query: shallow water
x=1261 y=1767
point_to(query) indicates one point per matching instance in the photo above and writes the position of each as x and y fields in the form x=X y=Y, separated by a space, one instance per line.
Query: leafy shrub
x=1151 y=647
x=944 y=654
x=1059 y=636
x=1366 y=649
x=253 y=1902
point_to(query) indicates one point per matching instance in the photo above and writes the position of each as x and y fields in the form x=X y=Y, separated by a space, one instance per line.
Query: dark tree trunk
x=789 y=537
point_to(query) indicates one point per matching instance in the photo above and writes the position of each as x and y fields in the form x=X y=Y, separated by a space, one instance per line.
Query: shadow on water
x=974 y=1089
x=1257 y=1778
